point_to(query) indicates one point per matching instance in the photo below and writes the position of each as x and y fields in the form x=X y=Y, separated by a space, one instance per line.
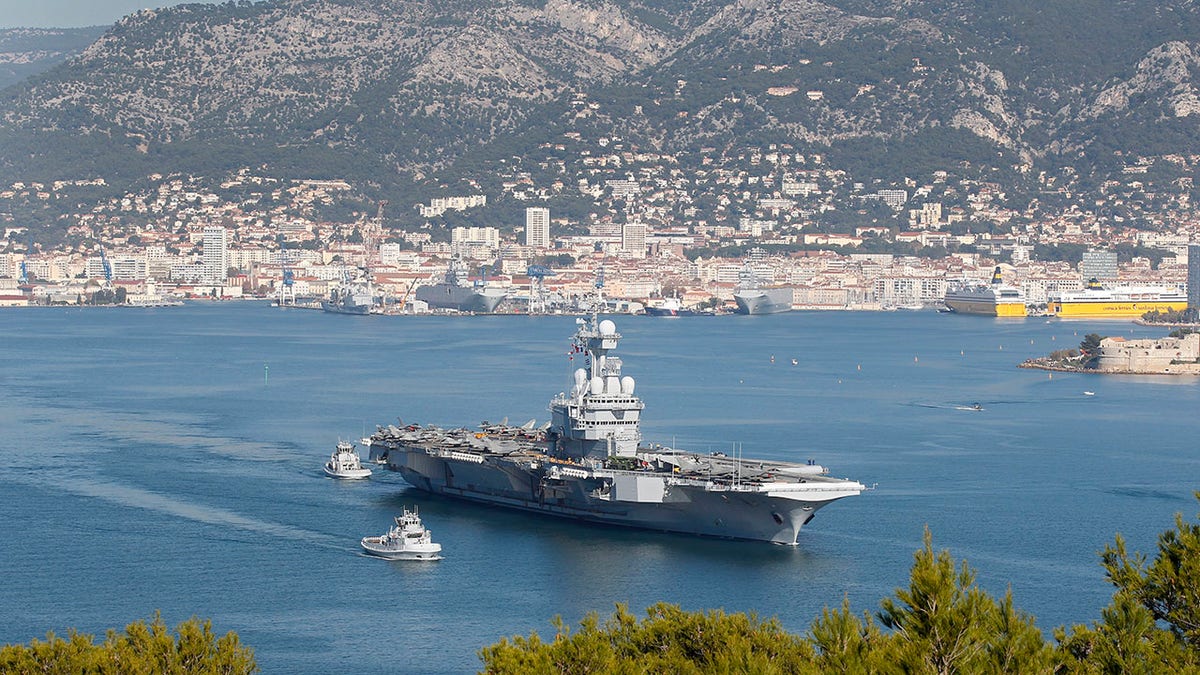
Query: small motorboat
x=1089 y=393
x=345 y=463
x=407 y=540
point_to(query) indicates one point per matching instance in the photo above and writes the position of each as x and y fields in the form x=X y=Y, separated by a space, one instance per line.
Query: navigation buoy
x=916 y=360
x=860 y=366
x=961 y=353
x=772 y=358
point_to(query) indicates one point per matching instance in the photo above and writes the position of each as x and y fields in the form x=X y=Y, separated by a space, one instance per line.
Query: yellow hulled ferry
x=1096 y=302
x=994 y=299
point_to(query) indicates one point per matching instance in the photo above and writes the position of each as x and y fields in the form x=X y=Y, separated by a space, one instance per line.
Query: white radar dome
x=580 y=376
x=612 y=385
x=607 y=327
x=597 y=385
x=627 y=385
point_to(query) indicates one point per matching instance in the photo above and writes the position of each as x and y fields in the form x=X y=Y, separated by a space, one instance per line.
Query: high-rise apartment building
x=633 y=239
x=537 y=227
x=1099 y=265
x=216 y=254
x=1193 y=276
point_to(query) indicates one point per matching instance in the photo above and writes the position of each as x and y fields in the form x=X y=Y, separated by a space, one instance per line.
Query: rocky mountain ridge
x=410 y=90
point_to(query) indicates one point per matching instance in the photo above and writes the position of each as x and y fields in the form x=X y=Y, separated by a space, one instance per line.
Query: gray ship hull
x=684 y=507
x=345 y=308
x=764 y=300
x=588 y=464
x=460 y=298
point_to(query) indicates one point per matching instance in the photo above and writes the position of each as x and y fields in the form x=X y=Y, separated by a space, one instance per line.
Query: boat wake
x=969 y=407
x=125 y=495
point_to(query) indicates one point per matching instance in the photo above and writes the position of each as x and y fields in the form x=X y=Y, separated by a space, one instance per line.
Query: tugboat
x=588 y=464
x=345 y=463
x=407 y=540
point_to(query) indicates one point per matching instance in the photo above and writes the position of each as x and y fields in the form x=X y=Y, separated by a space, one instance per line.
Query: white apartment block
x=537 y=227
x=244 y=258
x=623 y=188
x=633 y=239
x=389 y=253
x=929 y=215
x=487 y=236
x=893 y=198
x=215 y=257
x=123 y=267
x=439 y=205
x=793 y=188
x=772 y=203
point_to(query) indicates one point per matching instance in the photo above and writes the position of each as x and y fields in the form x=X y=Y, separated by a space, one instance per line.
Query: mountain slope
x=407 y=90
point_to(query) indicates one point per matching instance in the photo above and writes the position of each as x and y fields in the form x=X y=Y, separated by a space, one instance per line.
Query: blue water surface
x=169 y=459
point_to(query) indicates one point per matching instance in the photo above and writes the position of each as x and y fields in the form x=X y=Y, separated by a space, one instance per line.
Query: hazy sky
x=72 y=13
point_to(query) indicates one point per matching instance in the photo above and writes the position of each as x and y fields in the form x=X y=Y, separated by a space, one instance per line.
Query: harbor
x=181 y=437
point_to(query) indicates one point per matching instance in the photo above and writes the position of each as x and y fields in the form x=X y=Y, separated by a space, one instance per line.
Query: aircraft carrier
x=588 y=463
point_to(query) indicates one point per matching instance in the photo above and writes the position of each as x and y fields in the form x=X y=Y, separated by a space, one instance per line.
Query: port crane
x=24 y=276
x=287 y=292
x=107 y=267
x=537 y=287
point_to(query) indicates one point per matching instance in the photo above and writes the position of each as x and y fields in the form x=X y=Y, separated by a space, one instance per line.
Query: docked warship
x=456 y=293
x=588 y=463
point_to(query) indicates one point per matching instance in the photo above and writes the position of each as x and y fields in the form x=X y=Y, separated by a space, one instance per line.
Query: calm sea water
x=170 y=459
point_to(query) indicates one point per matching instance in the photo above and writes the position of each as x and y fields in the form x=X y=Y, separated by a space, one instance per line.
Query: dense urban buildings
x=657 y=231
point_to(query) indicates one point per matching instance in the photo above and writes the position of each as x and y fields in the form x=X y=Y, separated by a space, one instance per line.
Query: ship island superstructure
x=588 y=463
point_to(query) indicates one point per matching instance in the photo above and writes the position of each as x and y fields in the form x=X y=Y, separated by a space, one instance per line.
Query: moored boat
x=458 y=294
x=669 y=307
x=993 y=299
x=1129 y=302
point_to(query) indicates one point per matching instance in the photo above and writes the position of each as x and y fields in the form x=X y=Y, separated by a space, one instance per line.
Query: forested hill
x=409 y=90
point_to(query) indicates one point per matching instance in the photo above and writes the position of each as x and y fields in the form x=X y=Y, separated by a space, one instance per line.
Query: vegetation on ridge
x=143 y=649
x=402 y=93
x=942 y=622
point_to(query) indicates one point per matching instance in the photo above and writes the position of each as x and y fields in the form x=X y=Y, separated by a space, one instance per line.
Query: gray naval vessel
x=752 y=297
x=456 y=293
x=588 y=463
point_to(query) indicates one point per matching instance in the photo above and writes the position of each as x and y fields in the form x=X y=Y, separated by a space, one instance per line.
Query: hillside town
x=770 y=217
